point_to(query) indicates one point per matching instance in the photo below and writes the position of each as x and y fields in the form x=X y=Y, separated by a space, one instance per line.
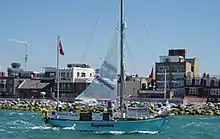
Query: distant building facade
x=9 y=86
x=73 y=80
x=206 y=87
x=175 y=66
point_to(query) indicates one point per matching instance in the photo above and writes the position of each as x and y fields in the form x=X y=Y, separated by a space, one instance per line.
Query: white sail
x=103 y=86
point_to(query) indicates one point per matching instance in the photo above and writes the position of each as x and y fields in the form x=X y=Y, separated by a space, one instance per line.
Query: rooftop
x=32 y=84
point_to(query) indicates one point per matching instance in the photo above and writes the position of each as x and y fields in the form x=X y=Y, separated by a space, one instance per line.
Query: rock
x=199 y=111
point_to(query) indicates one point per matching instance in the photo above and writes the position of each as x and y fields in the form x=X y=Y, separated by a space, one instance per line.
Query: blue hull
x=156 y=124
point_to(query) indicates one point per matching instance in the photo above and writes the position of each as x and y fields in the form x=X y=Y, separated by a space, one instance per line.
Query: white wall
x=171 y=58
x=78 y=72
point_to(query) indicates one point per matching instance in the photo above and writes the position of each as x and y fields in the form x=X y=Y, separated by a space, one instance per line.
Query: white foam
x=69 y=128
x=122 y=132
x=44 y=128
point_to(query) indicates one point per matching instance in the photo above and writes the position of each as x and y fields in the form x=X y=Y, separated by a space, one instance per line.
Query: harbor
x=155 y=77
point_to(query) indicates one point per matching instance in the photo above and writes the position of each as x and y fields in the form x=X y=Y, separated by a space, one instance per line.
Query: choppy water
x=28 y=125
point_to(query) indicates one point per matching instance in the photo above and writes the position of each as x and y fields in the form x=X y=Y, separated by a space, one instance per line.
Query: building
x=195 y=68
x=175 y=66
x=73 y=80
x=32 y=88
x=14 y=70
x=8 y=86
x=154 y=94
x=133 y=84
x=205 y=87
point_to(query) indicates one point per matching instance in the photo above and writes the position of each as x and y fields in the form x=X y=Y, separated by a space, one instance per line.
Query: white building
x=73 y=80
x=76 y=73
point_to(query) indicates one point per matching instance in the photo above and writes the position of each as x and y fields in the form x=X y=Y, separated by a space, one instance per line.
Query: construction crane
x=26 y=44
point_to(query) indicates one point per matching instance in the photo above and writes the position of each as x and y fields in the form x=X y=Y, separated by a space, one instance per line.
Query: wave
x=44 y=128
x=122 y=132
x=110 y=132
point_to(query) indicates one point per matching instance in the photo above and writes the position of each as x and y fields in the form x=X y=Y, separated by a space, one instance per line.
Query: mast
x=58 y=70
x=165 y=83
x=122 y=23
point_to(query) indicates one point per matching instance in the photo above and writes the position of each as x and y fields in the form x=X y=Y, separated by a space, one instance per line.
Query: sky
x=88 y=27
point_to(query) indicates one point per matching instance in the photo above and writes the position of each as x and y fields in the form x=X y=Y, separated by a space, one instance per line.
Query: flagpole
x=58 y=70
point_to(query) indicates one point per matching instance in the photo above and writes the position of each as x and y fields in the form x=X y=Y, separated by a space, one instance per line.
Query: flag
x=61 y=48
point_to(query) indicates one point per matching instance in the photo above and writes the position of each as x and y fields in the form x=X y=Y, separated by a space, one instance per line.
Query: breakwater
x=39 y=105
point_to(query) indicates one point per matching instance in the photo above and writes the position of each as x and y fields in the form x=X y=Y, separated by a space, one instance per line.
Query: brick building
x=203 y=87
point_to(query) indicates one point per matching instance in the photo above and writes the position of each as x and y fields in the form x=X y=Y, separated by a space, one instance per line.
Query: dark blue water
x=28 y=125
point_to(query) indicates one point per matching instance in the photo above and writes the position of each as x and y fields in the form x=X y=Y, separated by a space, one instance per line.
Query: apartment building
x=174 y=67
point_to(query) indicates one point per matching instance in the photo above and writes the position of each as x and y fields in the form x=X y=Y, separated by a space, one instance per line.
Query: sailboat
x=104 y=87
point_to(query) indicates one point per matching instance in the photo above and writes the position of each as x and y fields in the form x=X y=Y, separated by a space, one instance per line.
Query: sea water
x=29 y=125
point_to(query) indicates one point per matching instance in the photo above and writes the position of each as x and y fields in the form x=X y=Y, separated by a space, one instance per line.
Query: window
x=193 y=91
x=166 y=68
x=77 y=74
x=69 y=86
x=62 y=74
x=10 y=90
x=62 y=86
x=160 y=85
x=63 y=95
x=197 y=81
x=188 y=81
x=51 y=74
x=175 y=85
x=160 y=77
x=178 y=76
x=83 y=74
x=166 y=60
x=214 y=92
x=67 y=75
x=179 y=68
x=160 y=69
x=208 y=82
x=215 y=82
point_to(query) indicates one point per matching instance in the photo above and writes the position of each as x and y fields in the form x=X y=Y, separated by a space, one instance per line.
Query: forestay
x=103 y=86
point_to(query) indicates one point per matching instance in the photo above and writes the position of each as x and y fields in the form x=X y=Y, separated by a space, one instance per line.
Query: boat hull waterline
x=156 y=124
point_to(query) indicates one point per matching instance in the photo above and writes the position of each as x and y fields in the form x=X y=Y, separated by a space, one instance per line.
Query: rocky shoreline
x=38 y=105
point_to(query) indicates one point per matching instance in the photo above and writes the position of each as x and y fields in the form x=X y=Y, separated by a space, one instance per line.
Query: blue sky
x=153 y=26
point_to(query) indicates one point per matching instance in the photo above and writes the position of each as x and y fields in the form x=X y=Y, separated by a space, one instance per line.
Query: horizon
x=153 y=27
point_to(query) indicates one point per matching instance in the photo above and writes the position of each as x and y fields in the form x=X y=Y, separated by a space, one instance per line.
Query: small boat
x=104 y=87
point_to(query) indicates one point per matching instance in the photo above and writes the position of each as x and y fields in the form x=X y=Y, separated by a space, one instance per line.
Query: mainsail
x=103 y=86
